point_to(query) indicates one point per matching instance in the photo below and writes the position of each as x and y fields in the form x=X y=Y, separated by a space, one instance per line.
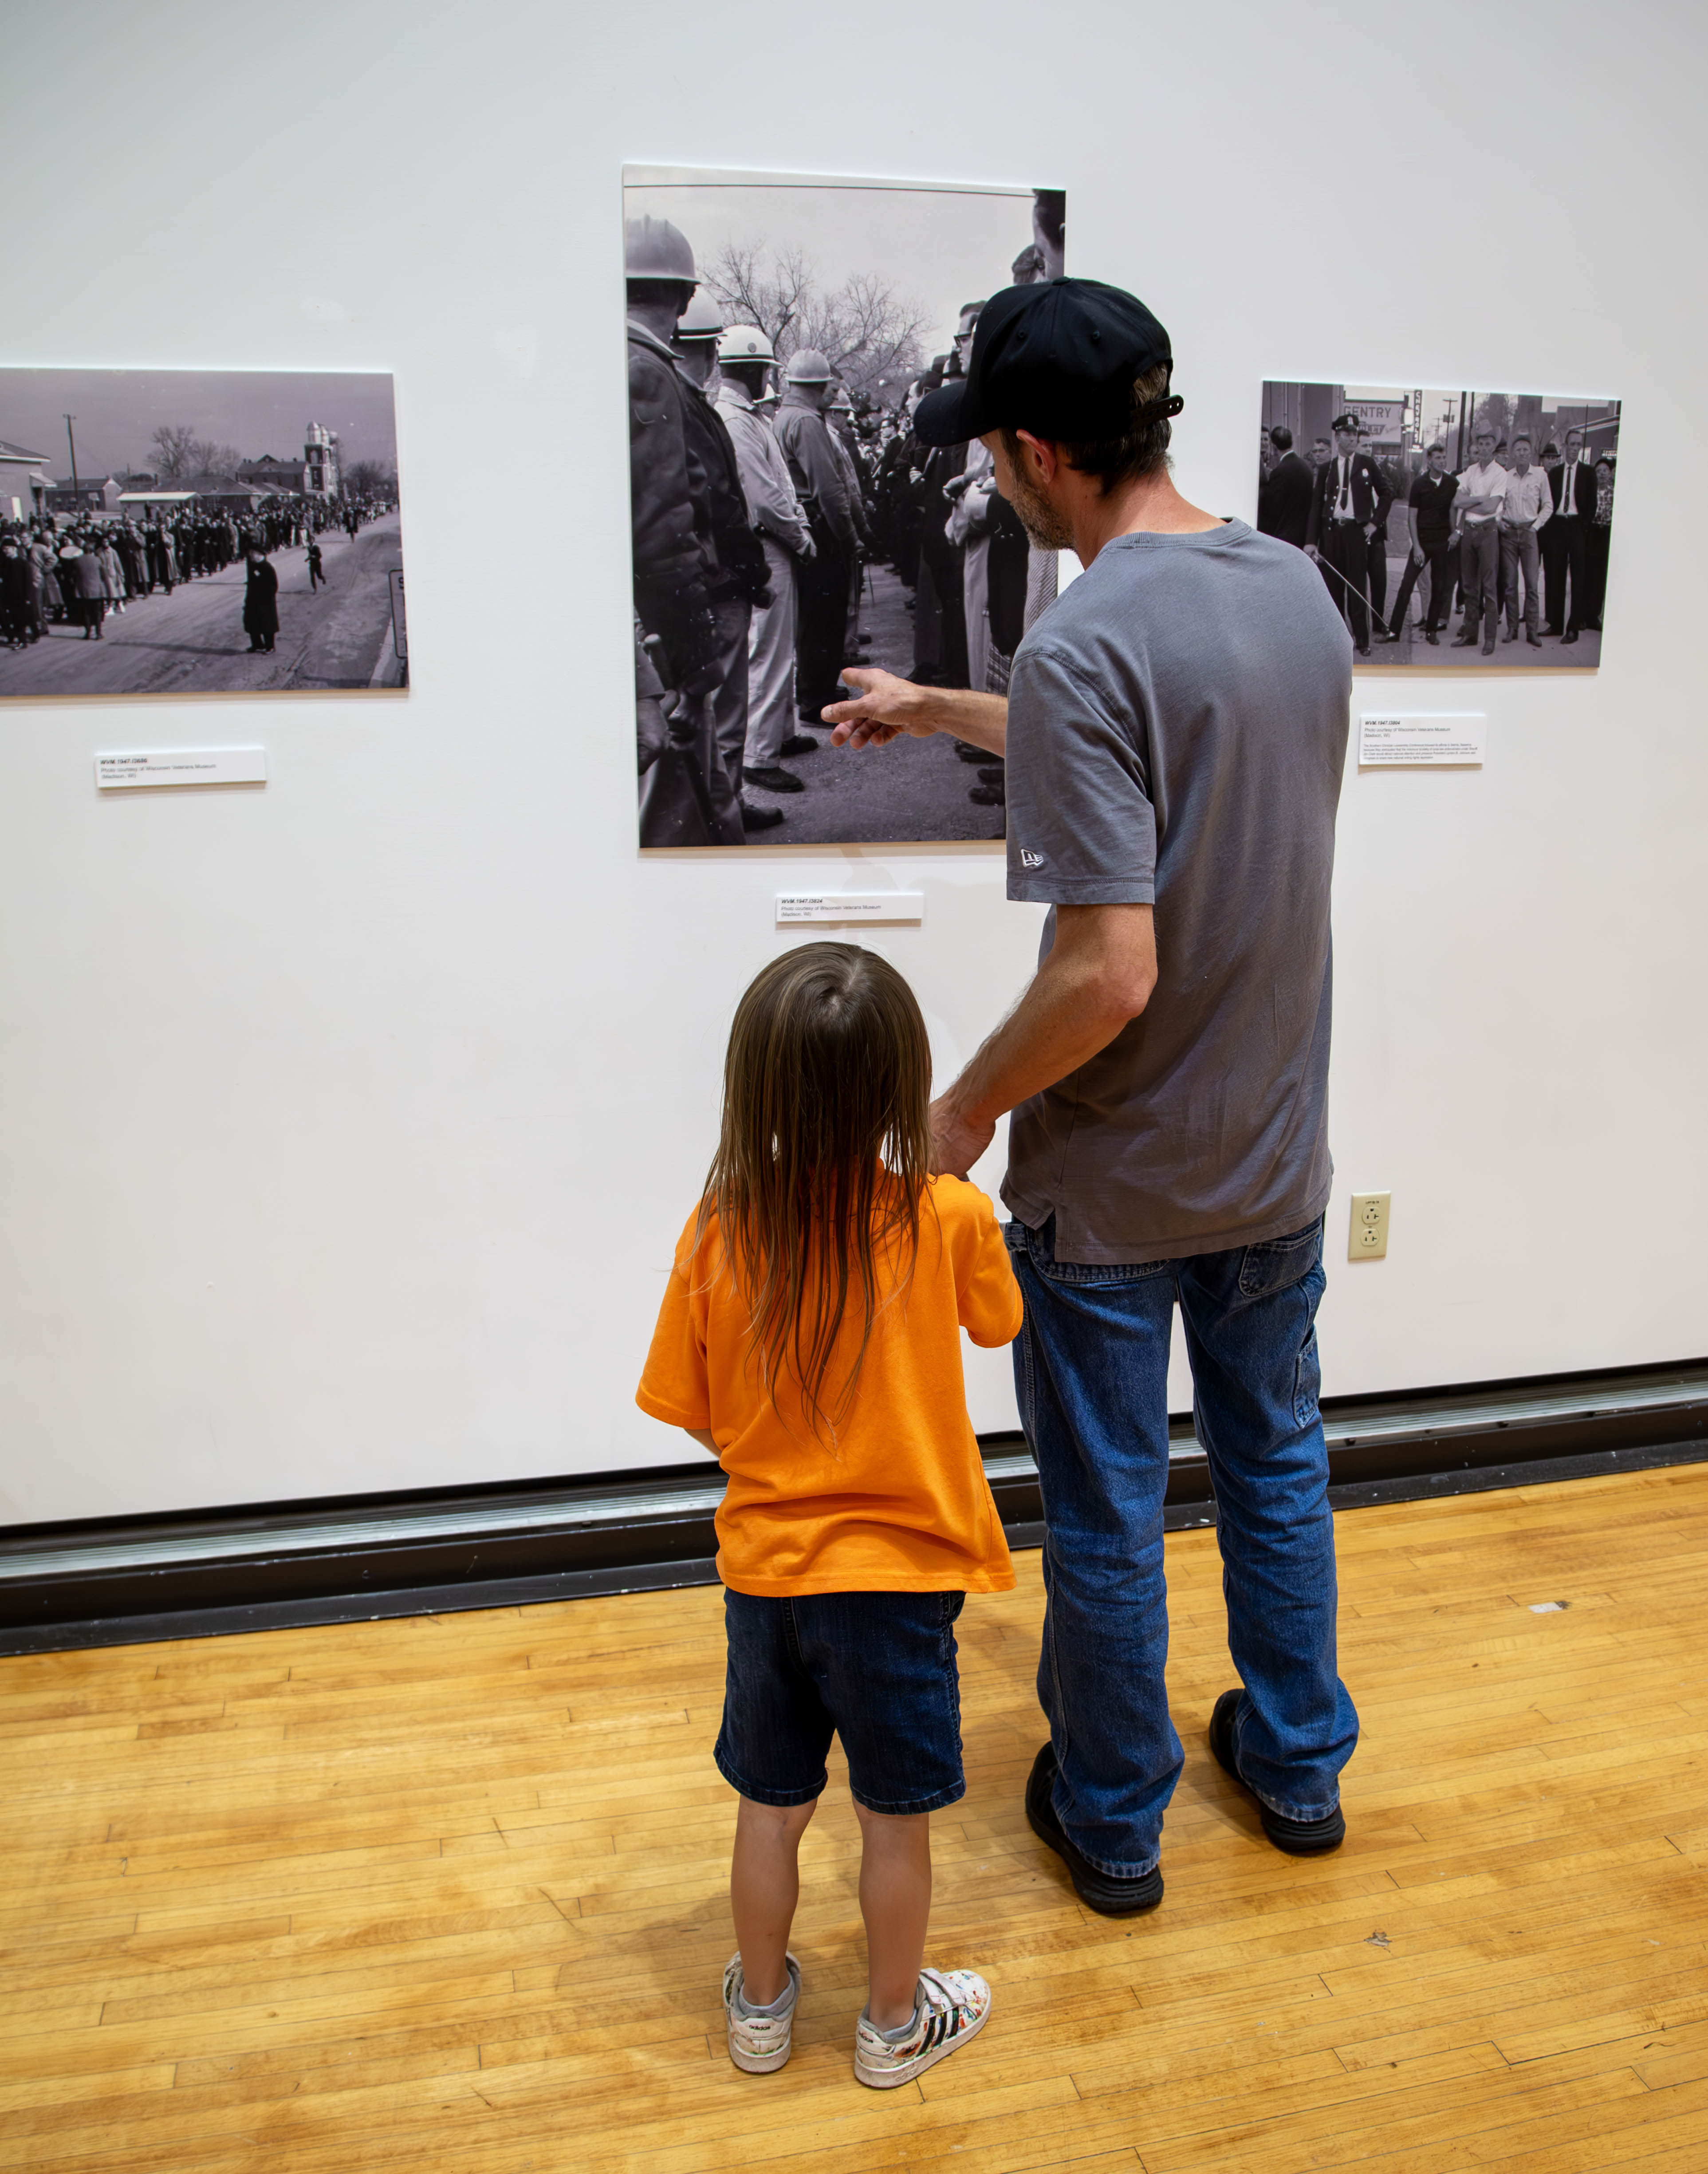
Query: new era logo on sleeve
x=1030 y=860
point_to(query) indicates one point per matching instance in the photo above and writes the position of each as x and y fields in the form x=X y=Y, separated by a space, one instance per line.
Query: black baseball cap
x=1058 y=358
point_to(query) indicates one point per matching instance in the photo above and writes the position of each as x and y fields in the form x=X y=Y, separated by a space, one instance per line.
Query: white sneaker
x=759 y=2043
x=953 y=2007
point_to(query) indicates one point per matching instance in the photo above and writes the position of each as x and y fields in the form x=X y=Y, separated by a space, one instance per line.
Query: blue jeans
x=1091 y=1373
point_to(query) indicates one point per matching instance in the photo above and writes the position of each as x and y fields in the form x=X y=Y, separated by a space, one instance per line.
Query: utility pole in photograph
x=76 y=488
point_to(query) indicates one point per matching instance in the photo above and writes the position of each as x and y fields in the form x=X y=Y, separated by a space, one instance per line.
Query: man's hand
x=957 y=1141
x=1312 y=553
x=1419 y=556
x=887 y=708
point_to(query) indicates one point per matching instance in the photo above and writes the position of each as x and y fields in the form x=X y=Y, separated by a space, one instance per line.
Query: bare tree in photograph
x=179 y=453
x=864 y=328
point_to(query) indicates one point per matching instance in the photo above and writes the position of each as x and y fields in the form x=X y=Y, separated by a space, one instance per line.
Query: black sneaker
x=1098 y=1890
x=1298 y=1837
x=771 y=779
x=799 y=743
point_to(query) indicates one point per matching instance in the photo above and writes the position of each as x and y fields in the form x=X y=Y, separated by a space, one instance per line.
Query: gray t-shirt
x=1177 y=727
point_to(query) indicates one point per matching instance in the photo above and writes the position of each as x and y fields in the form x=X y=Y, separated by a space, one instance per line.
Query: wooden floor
x=447 y=1894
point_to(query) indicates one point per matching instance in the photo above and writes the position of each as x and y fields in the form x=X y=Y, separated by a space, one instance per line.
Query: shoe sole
x=886 y=2080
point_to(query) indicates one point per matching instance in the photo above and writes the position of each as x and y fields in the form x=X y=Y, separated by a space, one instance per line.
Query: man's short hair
x=972 y=309
x=1522 y=438
x=1477 y=436
x=1140 y=450
x=1051 y=209
x=1321 y=441
x=1438 y=447
x=1281 y=438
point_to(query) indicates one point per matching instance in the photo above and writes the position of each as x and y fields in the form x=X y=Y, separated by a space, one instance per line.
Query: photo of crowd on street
x=1451 y=528
x=198 y=532
x=787 y=525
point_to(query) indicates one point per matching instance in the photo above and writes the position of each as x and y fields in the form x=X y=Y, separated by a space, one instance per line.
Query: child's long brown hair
x=823 y=1155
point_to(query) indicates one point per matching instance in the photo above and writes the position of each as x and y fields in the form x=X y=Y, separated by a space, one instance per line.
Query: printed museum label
x=850 y=906
x=238 y=765
x=1391 y=740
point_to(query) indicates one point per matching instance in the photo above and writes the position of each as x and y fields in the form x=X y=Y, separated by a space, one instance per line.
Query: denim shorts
x=876 y=1669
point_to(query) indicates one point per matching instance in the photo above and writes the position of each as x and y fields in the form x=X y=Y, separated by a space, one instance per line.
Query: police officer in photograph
x=1349 y=509
x=745 y=358
x=742 y=578
x=822 y=582
x=676 y=562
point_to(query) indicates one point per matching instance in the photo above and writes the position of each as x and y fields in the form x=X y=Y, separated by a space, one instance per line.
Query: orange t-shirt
x=897 y=1501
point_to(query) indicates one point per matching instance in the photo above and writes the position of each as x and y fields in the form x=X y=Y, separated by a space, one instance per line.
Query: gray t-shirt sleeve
x=1082 y=831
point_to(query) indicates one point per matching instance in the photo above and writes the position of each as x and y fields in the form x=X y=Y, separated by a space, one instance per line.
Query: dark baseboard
x=353 y=1559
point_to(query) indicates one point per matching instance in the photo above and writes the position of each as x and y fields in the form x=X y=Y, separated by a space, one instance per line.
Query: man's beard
x=1043 y=525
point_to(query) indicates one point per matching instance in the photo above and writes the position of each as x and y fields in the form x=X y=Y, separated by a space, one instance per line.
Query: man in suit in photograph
x=1349 y=506
x=1565 y=538
x=1284 y=495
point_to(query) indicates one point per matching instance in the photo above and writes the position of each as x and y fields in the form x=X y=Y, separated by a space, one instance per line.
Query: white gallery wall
x=346 y=1125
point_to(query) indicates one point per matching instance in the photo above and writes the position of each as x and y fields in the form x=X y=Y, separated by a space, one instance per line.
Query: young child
x=810 y=1337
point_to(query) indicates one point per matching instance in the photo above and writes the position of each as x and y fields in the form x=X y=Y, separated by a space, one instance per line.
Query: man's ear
x=1040 y=455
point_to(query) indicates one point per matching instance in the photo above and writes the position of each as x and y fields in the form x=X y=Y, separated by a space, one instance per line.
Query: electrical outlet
x=1368 y=1241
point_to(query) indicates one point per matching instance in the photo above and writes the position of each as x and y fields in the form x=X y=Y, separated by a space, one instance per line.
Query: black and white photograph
x=188 y=532
x=787 y=525
x=1452 y=528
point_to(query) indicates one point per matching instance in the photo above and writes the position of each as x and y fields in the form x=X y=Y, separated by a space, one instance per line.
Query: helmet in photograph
x=807 y=366
x=701 y=320
x=840 y=402
x=745 y=344
x=654 y=249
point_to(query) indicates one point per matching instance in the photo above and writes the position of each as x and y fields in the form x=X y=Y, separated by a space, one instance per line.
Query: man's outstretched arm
x=1098 y=975
x=888 y=707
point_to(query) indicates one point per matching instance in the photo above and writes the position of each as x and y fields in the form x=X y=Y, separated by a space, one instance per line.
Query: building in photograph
x=84 y=495
x=24 y=484
x=271 y=473
x=322 y=460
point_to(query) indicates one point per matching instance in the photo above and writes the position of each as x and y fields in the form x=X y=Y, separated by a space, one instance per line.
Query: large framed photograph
x=1461 y=528
x=787 y=524
x=189 y=531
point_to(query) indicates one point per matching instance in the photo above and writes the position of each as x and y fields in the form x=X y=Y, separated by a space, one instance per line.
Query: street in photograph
x=787 y=525
x=1452 y=528
x=198 y=532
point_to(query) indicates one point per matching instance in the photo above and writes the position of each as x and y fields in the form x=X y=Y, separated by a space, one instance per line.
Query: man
x=838 y=417
x=1174 y=735
x=1525 y=506
x=1430 y=526
x=1482 y=486
x=821 y=582
x=745 y=355
x=741 y=582
x=1348 y=506
x=1284 y=495
x=1565 y=540
x=675 y=561
x=1322 y=453
x=259 y=602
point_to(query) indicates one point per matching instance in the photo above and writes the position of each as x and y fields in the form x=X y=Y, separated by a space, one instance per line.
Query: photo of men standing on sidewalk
x=787 y=524
x=180 y=532
x=1456 y=528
